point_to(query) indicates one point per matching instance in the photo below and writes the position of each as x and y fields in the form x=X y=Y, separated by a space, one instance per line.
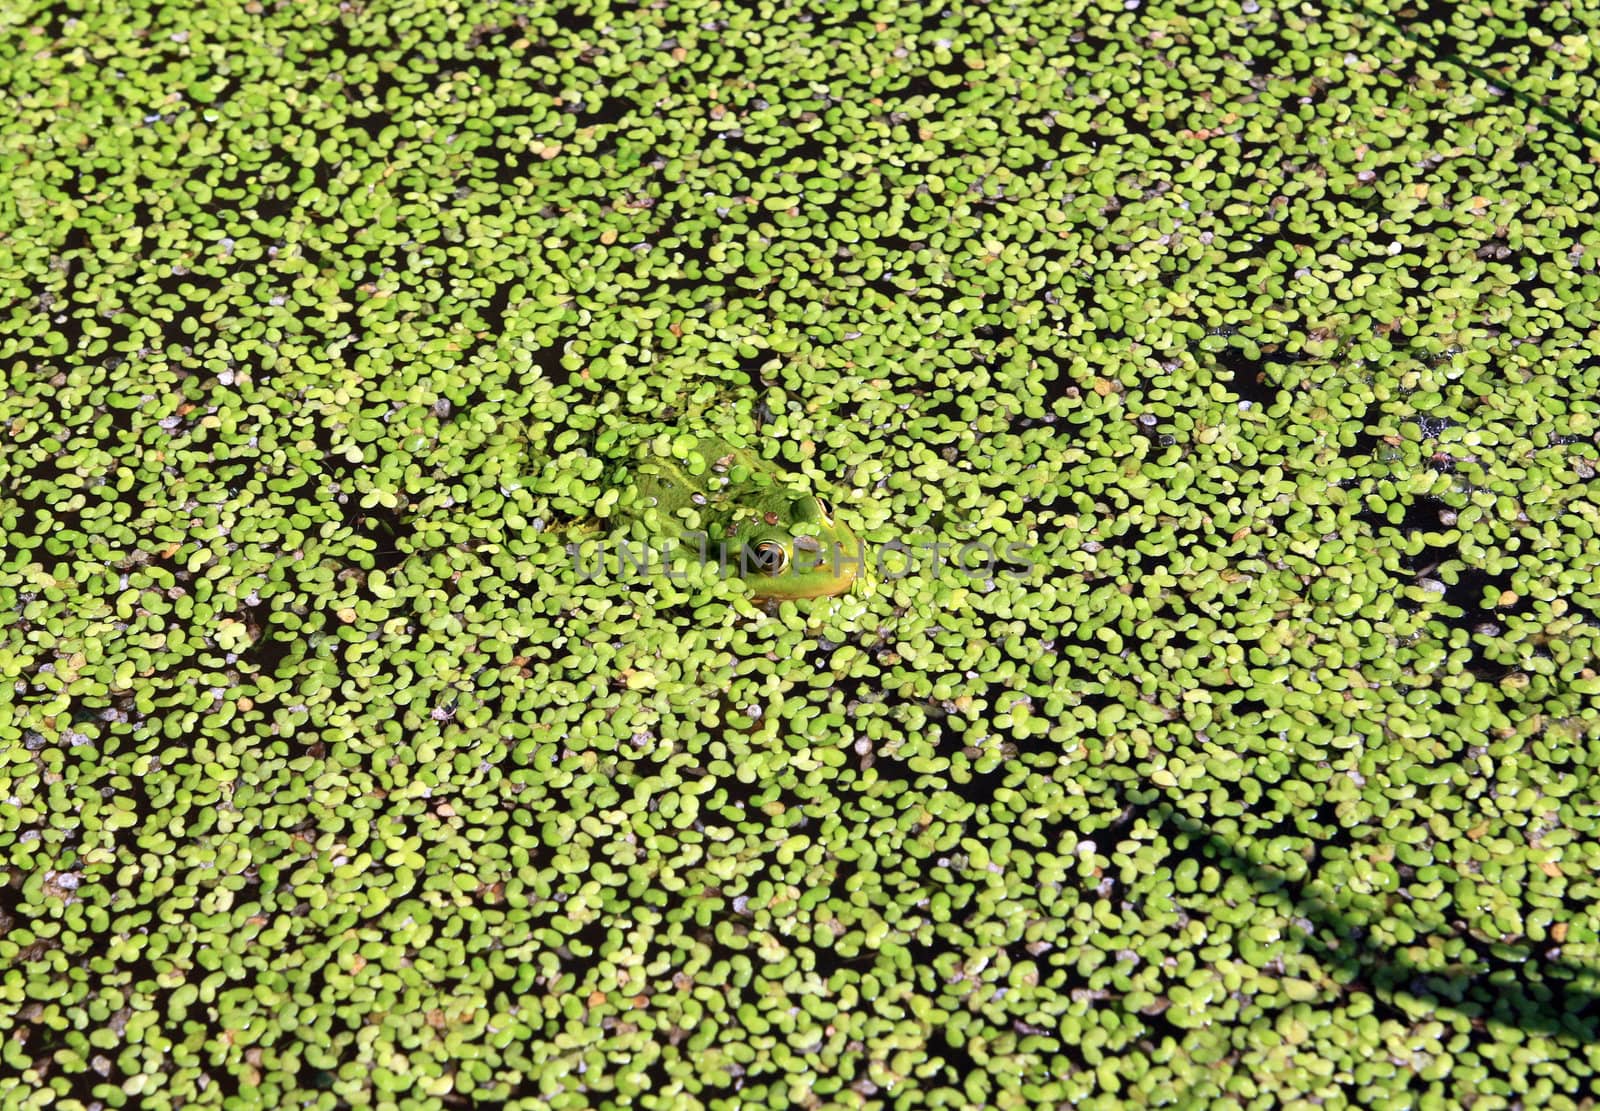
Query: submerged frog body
x=730 y=505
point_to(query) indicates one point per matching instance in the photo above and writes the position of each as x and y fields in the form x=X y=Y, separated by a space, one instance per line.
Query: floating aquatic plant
x=1266 y=331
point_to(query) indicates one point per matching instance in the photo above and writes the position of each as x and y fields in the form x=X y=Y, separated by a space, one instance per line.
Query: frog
x=690 y=484
x=724 y=501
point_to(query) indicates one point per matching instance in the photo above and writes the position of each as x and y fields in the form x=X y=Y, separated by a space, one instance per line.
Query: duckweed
x=1266 y=332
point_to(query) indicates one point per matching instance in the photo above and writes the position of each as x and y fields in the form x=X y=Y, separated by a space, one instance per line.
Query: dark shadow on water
x=1519 y=987
x=1508 y=87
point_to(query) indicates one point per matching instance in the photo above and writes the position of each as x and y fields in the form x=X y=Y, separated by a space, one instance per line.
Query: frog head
x=765 y=525
x=789 y=545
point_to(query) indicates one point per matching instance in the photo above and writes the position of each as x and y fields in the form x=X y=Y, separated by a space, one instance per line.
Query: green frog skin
x=713 y=496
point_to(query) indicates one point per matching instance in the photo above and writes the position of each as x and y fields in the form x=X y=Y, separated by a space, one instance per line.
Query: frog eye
x=771 y=558
x=827 y=511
